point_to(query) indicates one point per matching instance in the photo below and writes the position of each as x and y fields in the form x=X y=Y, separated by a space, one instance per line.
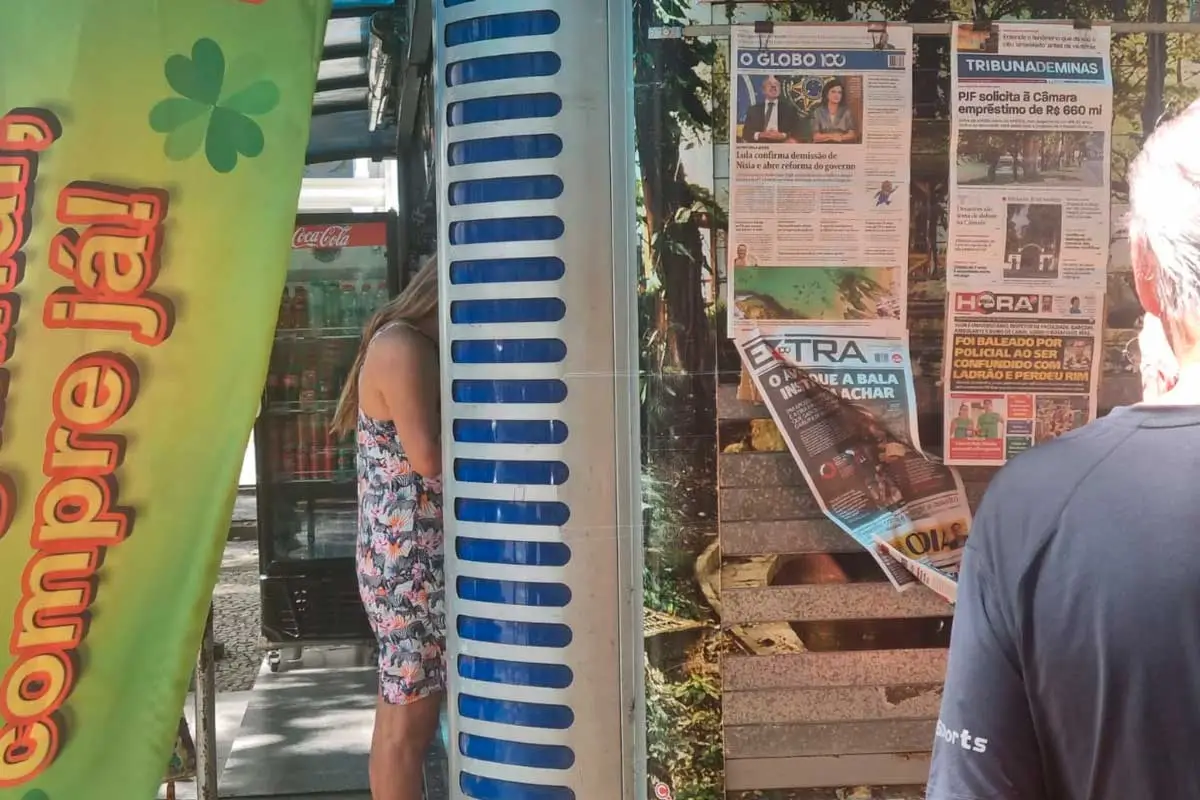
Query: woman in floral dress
x=391 y=402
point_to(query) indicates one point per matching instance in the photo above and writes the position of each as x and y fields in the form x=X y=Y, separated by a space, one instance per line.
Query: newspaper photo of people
x=1032 y=240
x=821 y=121
x=800 y=109
x=846 y=408
x=1058 y=415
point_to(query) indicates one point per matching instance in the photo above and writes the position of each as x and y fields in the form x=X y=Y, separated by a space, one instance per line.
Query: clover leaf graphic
x=36 y=794
x=203 y=115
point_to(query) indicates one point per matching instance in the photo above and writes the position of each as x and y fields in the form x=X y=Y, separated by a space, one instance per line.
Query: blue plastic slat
x=509 y=431
x=529 y=473
x=516 y=754
x=508 y=351
x=500 y=26
x=504 y=148
x=515 y=673
x=511 y=512
x=478 y=787
x=512 y=229
x=521 y=634
x=505 y=107
x=516 y=712
x=534 y=594
x=515 y=309
x=509 y=66
x=505 y=270
x=508 y=391
x=501 y=551
x=505 y=190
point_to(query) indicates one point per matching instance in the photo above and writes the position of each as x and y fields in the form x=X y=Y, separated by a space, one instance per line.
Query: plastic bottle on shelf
x=300 y=307
x=291 y=382
x=332 y=312
x=366 y=301
x=287 y=447
x=351 y=319
x=303 y=448
x=285 y=309
x=308 y=385
x=382 y=297
x=316 y=306
x=274 y=383
x=328 y=461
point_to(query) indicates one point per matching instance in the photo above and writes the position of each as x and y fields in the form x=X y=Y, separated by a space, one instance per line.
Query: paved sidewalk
x=231 y=708
x=237 y=618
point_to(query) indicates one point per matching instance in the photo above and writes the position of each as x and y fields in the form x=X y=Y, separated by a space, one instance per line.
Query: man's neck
x=1185 y=392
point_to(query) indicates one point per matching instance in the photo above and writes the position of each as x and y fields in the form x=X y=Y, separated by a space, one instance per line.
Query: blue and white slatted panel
x=536 y=250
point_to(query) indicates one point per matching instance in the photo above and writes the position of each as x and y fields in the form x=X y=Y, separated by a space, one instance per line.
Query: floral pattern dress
x=400 y=564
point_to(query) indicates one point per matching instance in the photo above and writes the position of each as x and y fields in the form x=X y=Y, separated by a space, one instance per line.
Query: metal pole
x=937 y=28
x=206 y=716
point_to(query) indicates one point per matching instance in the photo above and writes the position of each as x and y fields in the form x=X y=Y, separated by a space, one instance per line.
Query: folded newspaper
x=846 y=406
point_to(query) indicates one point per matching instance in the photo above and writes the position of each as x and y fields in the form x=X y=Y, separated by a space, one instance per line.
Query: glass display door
x=341 y=272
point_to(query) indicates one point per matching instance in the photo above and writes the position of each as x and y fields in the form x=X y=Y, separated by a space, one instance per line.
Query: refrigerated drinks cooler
x=343 y=268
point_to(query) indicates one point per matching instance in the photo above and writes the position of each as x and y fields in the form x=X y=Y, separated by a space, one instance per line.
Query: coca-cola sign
x=327 y=237
x=336 y=235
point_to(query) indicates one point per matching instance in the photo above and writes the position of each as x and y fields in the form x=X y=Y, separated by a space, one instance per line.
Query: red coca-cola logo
x=327 y=237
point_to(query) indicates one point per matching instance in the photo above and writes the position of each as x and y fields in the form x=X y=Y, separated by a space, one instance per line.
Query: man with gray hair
x=1074 y=668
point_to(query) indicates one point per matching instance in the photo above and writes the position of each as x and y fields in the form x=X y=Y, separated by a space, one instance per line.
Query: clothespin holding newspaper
x=764 y=29
x=878 y=31
x=982 y=21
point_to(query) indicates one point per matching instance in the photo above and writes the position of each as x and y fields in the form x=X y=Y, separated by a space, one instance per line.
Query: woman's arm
x=849 y=127
x=403 y=368
x=827 y=130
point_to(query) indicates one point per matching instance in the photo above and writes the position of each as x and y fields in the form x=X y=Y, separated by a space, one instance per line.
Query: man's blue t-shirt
x=1074 y=667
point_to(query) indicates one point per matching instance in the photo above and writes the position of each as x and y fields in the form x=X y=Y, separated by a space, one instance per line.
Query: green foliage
x=683 y=723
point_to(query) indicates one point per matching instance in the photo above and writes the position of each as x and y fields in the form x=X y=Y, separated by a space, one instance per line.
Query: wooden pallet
x=846 y=690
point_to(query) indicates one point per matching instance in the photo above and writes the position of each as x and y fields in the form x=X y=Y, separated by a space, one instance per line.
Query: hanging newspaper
x=1029 y=235
x=845 y=405
x=819 y=175
x=1030 y=131
x=1022 y=370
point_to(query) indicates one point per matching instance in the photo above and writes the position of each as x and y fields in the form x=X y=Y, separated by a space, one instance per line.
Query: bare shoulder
x=400 y=348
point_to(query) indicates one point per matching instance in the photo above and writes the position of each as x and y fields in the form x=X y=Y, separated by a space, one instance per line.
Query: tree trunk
x=678 y=256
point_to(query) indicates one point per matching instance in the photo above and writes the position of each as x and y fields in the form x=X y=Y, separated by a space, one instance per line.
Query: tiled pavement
x=302 y=733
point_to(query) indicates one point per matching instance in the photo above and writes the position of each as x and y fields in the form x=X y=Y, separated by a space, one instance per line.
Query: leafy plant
x=683 y=722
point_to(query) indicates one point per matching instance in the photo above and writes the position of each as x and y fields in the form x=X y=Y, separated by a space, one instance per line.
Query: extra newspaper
x=819 y=175
x=845 y=405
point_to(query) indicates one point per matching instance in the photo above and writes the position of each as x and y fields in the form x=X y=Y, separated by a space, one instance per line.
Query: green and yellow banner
x=150 y=162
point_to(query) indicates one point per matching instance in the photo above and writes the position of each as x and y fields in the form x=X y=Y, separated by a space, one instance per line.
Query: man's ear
x=1145 y=275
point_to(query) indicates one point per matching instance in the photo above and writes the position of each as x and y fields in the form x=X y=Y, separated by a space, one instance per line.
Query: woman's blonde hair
x=418 y=300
